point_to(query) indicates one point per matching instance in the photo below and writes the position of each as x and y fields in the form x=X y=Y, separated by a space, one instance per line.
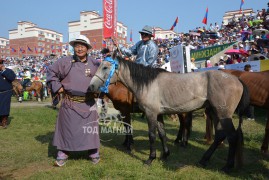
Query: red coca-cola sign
x=109 y=18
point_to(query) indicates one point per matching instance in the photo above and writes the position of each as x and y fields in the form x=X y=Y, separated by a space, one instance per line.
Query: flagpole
x=177 y=28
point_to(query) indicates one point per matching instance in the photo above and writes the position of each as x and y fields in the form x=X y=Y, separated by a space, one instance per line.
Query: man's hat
x=147 y=30
x=81 y=39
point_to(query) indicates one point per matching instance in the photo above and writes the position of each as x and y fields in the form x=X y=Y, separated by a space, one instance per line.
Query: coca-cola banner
x=110 y=22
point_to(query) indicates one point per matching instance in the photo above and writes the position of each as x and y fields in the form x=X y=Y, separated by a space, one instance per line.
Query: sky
x=135 y=14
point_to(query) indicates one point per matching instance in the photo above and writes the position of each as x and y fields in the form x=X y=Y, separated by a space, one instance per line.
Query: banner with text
x=256 y=66
x=110 y=21
x=206 y=53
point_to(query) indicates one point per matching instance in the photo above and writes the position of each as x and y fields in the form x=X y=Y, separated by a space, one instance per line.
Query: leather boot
x=0 y=120
x=4 y=121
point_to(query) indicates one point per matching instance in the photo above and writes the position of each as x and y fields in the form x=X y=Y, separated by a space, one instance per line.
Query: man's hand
x=61 y=90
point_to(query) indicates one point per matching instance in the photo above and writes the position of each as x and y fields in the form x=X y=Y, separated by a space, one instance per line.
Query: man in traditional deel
x=77 y=123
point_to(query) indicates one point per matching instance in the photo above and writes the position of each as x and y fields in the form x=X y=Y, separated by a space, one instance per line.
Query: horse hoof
x=226 y=169
x=202 y=163
x=221 y=145
x=265 y=153
x=176 y=142
x=165 y=155
x=184 y=144
x=149 y=161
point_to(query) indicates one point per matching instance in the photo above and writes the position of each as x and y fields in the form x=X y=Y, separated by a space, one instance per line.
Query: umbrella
x=200 y=30
x=236 y=51
x=258 y=32
x=257 y=22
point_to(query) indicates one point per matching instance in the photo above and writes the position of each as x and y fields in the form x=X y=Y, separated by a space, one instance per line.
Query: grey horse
x=159 y=92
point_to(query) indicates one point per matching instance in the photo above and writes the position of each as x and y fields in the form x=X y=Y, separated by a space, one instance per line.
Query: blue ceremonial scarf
x=114 y=64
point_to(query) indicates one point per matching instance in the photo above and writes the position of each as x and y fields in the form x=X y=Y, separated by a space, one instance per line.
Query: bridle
x=114 y=69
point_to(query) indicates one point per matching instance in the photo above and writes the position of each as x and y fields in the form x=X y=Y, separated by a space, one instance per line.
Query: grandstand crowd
x=249 y=32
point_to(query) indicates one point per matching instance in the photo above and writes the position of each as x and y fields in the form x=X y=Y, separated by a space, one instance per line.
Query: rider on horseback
x=26 y=77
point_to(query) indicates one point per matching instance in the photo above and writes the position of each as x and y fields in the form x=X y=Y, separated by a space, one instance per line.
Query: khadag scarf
x=114 y=64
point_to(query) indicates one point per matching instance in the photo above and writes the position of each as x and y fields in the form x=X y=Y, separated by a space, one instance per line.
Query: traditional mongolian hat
x=81 y=39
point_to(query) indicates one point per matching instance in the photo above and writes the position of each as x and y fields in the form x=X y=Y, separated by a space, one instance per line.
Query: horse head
x=106 y=74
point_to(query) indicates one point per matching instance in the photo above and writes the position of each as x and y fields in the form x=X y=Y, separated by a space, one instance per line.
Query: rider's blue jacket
x=146 y=52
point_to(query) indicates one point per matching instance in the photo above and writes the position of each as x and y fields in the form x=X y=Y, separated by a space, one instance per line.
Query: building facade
x=228 y=16
x=91 y=25
x=164 y=34
x=30 y=40
x=4 y=48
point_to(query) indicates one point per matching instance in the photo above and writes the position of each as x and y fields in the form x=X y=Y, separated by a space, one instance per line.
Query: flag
x=59 y=49
x=12 y=49
x=241 y=5
x=94 y=43
x=29 y=49
x=174 y=25
x=36 y=50
x=205 y=18
x=104 y=43
x=41 y=49
x=131 y=36
x=52 y=46
x=22 y=51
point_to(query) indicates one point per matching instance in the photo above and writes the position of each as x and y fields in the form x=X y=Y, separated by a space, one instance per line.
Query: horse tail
x=241 y=108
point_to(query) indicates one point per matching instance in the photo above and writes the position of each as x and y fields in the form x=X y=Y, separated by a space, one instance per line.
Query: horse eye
x=105 y=68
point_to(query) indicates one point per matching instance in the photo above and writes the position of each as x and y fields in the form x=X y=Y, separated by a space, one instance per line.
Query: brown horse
x=36 y=86
x=258 y=85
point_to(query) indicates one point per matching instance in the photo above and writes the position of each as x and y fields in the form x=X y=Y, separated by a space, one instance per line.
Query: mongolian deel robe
x=6 y=78
x=77 y=123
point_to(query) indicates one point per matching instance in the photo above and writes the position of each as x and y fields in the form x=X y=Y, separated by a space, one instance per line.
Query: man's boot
x=4 y=121
x=0 y=120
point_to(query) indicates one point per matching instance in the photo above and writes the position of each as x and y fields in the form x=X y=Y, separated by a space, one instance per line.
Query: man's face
x=145 y=37
x=80 y=49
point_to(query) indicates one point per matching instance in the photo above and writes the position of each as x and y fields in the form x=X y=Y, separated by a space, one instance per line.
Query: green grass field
x=26 y=152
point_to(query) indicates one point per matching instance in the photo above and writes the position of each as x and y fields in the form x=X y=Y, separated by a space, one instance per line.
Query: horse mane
x=141 y=75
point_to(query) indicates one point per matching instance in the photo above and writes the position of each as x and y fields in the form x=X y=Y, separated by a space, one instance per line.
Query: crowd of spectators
x=249 y=33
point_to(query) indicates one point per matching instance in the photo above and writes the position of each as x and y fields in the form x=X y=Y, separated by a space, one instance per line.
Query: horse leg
x=162 y=135
x=232 y=138
x=209 y=127
x=264 y=147
x=185 y=123
x=152 y=125
x=180 y=130
x=38 y=95
x=127 y=125
x=188 y=126
x=219 y=137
